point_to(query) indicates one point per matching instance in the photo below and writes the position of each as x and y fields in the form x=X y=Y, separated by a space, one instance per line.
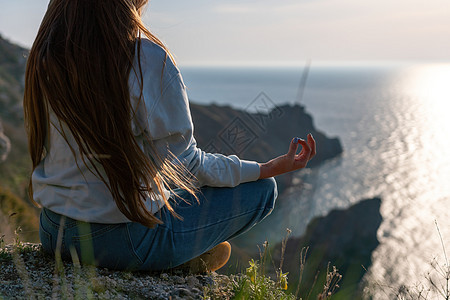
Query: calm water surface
x=394 y=123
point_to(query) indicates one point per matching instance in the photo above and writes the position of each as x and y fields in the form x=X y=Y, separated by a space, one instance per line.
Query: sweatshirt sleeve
x=171 y=128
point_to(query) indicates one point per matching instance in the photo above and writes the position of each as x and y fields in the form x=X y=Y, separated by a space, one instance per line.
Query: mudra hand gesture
x=290 y=161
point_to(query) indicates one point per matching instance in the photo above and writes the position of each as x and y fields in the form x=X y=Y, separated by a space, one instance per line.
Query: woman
x=115 y=165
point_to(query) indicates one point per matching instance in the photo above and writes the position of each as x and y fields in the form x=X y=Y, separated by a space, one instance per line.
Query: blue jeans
x=223 y=213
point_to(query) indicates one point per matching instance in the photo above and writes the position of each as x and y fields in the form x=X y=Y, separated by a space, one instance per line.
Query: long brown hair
x=78 y=67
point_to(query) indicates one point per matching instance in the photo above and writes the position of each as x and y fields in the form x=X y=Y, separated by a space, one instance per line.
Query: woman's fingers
x=305 y=153
x=312 y=145
x=293 y=147
x=290 y=161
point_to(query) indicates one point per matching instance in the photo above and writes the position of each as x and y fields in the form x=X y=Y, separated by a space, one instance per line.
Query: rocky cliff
x=259 y=136
x=344 y=238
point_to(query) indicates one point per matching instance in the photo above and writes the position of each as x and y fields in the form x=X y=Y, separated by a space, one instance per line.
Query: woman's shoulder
x=151 y=48
x=156 y=55
x=158 y=69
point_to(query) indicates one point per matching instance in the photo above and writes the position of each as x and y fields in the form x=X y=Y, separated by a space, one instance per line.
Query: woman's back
x=64 y=183
x=78 y=75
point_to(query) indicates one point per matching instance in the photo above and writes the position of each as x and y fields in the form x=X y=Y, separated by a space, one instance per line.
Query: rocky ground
x=27 y=273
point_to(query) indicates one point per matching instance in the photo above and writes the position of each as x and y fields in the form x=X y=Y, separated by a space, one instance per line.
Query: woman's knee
x=271 y=192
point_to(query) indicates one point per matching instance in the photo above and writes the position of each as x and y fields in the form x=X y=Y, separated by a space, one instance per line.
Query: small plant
x=283 y=280
x=331 y=284
x=255 y=285
x=17 y=237
x=441 y=286
x=302 y=268
x=19 y=246
x=252 y=271
x=282 y=277
x=4 y=255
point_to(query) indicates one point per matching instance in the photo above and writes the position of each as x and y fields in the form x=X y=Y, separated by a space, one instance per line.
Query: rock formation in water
x=260 y=135
x=343 y=238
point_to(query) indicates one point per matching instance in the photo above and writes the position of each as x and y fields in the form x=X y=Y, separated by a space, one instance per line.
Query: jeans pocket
x=88 y=240
x=105 y=246
x=133 y=247
x=46 y=238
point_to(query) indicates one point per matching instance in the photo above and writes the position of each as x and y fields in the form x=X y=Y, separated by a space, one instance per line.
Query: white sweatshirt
x=65 y=188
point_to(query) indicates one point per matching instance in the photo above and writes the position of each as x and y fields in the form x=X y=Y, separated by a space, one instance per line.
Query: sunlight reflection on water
x=419 y=189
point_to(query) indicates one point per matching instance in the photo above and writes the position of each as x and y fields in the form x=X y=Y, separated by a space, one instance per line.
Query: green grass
x=256 y=284
x=16 y=213
x=15 y=208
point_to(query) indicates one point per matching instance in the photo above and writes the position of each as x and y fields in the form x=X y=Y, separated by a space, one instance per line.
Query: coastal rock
x=260 y=135
x=344 y=238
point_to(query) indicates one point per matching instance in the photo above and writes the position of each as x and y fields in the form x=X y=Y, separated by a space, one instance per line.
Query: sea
x=393 y=120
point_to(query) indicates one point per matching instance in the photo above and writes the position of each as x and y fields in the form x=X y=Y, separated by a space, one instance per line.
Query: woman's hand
x=290 y=161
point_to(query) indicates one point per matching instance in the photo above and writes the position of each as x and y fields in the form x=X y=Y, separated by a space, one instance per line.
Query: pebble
x=178 y=280
x=182 y=292
x=192 y=281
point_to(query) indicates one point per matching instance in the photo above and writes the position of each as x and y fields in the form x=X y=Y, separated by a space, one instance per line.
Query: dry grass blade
x=303 y=254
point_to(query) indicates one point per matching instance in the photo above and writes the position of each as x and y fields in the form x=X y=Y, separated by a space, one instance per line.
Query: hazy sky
x=282 y=31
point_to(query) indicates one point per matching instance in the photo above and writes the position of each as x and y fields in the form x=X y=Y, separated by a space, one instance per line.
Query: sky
x=254 y=32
